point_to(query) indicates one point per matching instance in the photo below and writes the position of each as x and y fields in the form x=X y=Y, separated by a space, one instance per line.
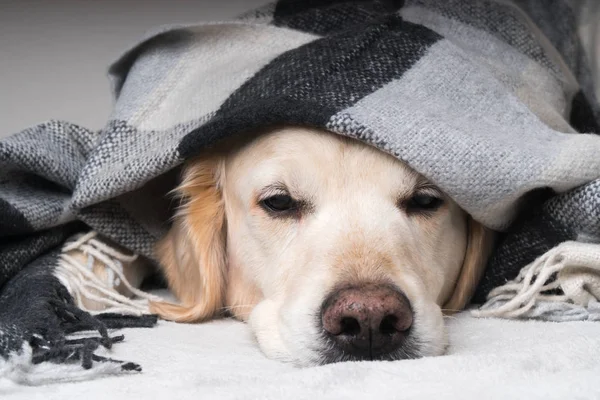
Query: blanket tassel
x=561 y=285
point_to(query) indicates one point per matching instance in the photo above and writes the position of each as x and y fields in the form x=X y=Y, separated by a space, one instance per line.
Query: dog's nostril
x=350 y=326
x=388 y=325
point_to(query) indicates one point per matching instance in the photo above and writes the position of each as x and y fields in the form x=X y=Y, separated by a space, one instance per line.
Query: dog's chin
x=277 y=338
x=429 y=330
x=304 y=344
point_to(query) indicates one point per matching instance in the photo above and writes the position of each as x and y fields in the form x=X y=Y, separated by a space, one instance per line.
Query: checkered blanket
x=491 y=100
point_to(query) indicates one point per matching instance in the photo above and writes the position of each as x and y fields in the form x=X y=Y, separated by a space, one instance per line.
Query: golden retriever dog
x=329 y=249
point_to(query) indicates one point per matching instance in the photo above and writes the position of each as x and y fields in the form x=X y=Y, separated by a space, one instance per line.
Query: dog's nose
x=367 y=322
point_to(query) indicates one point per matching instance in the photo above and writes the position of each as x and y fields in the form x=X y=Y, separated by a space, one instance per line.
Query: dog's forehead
x=304 y=155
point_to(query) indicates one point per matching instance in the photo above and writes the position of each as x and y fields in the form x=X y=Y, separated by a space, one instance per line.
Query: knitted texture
x=490 y=100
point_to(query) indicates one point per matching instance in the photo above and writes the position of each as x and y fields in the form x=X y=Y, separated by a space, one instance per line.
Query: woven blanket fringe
x=561 y=285
x=82 y=283
x=19 y=369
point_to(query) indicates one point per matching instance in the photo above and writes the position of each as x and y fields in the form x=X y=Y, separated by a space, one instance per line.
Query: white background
x=54 y=54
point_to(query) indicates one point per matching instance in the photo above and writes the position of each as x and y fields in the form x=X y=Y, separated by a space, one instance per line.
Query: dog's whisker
x=237 y=306
x=451 y=310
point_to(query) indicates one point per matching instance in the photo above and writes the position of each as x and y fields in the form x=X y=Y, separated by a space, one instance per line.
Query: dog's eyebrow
x=273 y=188
x=424 y=185
x=420 y=186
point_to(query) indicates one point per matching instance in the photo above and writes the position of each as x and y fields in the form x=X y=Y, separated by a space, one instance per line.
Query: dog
x=330 y=249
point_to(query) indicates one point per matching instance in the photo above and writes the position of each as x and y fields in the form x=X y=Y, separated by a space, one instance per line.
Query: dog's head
x=331 y=249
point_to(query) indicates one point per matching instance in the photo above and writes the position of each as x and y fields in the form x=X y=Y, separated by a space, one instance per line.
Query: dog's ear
x=480 y=241
x=192 y=254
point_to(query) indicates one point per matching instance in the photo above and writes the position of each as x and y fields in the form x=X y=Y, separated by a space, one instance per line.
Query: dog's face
x=329 y=248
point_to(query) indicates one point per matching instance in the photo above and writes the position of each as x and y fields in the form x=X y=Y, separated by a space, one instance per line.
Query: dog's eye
x=279 y=203
x=424 y=202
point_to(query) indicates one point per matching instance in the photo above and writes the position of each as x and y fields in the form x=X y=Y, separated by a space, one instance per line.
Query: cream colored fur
x=226 y=253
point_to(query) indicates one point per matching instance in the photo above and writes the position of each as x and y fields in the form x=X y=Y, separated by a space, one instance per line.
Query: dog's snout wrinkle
x=367 y=321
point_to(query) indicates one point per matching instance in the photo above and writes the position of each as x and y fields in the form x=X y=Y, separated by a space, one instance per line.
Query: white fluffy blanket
x=489 y=359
